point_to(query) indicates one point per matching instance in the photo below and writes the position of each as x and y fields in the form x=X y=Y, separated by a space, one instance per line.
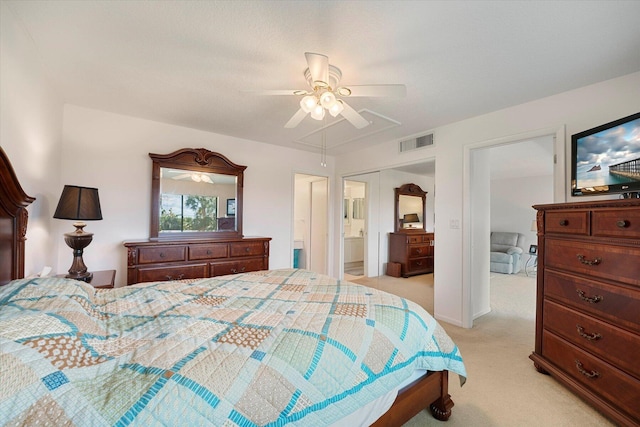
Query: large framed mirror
x=195 y=193
x=410 y=206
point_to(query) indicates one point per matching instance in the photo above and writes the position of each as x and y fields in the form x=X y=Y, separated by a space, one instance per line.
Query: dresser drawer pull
x=236 y=271
x=585 y=261
x=162 y=255
x=622 y=223
x=208 y=251
x=592 y=374
x=591 y=337
x=564 y=222
x=169 y=277
x=591 y=300
x=419 y=251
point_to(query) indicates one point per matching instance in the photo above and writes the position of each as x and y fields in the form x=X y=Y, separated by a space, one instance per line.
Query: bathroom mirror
x=195 y=193
x=410 y=206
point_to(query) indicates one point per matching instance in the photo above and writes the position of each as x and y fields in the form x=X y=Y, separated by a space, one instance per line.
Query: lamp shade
x=408 y=218
x=534 y=226
x=79 y=203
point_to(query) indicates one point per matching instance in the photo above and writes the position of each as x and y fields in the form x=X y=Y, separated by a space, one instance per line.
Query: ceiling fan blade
x=296 y=119
x=376 y=90
x=182 y=176
x=273 y=92
x=318 y=66
x=353 y=116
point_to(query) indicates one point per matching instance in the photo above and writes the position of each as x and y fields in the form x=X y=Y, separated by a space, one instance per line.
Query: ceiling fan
x=194 y=176
x=326 y=94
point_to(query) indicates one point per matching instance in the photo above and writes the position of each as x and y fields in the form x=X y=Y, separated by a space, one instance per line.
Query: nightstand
x=101 y=279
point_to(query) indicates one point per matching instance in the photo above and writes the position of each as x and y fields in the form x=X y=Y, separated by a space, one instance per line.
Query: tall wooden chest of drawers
x=413 y=250
x=155 y=260
x=588 y=302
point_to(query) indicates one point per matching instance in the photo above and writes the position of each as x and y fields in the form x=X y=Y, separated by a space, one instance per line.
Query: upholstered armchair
x=506 y=252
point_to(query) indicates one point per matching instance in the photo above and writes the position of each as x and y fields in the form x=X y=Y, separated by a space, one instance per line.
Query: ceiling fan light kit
x=323 y=77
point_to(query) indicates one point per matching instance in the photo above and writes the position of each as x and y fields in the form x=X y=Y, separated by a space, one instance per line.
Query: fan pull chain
x=323 y=149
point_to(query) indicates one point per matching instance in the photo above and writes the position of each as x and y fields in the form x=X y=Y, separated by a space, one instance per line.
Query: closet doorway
x=310 y=225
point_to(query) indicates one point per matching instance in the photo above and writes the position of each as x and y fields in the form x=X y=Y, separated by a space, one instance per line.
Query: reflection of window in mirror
x=358 y=208
x=347 y=216
x=190 y=201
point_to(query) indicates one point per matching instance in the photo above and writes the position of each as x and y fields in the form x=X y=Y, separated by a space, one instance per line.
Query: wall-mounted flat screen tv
x=606 y=159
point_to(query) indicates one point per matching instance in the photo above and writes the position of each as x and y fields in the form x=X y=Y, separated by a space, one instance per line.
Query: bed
x=269 y=348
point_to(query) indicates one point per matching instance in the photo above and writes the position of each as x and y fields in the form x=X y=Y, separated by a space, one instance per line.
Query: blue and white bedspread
x=268 y=348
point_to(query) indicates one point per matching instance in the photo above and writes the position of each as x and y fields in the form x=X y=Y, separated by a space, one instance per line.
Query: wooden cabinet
x=413 y=250
x=588 y=302
x=155 y=260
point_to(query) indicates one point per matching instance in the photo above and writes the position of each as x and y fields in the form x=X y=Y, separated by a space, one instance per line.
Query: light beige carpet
x=503 y=388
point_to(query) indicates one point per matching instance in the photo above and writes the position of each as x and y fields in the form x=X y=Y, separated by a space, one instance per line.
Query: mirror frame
x=197 y=160
x=409 y=190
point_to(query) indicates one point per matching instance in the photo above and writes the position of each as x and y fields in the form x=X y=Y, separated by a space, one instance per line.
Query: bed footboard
x=431 y=391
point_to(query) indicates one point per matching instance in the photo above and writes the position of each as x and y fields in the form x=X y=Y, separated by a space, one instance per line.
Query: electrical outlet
x=454 y=224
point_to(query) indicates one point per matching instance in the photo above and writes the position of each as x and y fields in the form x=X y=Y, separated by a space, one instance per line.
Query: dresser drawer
x=217 y=250
x=610 y=384
x=617 y=346
x=614 y=303
x=235 y=267
x=567 y=222
x=612 y=262
x=177 y=272
x=419 y=264
x=241 y=249
x=624 y=223
x=419 y=251
x=156 y=254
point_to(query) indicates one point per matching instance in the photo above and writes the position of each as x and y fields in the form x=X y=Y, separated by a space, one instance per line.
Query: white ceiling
x=189 y=63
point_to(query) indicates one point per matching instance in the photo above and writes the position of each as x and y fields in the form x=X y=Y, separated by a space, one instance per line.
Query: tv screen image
x=606 y=159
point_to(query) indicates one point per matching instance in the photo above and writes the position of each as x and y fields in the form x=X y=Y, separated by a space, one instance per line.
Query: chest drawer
x=623 y=223
x=161 y=254
x=418 y=251
x=611 y=384
x=565 y=222
x=420 y=264
x=241 y=249
x=219 y=250
x=617 y=346
x=614 y=303
x=612 y=262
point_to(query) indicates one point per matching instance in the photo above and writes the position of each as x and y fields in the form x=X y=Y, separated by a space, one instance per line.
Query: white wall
x=576 y=110
x=30 y=134
x=114 y=152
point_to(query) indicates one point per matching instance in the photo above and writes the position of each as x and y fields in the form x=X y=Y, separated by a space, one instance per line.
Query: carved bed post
x=13 y=222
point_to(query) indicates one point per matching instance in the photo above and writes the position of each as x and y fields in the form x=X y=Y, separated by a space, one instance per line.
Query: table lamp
x=410 y=218
x=79 y=204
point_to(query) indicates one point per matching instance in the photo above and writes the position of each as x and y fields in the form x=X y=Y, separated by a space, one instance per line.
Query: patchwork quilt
x=268 y=348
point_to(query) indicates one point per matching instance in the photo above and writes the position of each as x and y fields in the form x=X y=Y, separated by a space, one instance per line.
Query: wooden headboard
x=13 y=222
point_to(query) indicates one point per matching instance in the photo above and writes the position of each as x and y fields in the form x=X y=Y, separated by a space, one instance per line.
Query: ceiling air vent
x=414 y=143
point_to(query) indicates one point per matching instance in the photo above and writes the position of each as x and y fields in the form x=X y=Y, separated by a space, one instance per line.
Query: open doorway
x=310 y=227
x=505 y=178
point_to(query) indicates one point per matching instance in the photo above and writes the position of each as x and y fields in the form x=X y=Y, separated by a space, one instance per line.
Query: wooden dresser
x=588 y=303
x=413 y=250
x=154 y=260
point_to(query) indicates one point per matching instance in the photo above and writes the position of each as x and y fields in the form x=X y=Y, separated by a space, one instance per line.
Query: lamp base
x=78 y=240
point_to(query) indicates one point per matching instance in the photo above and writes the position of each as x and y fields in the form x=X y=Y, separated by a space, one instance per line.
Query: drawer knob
x=591 y=300
x=162 y=255
x=622 y=223
x=564 y=222
x=586 y=261
x=419 y=250
x=247 y=249
x=208 y=251
x=591 y=337
x=588 y=374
